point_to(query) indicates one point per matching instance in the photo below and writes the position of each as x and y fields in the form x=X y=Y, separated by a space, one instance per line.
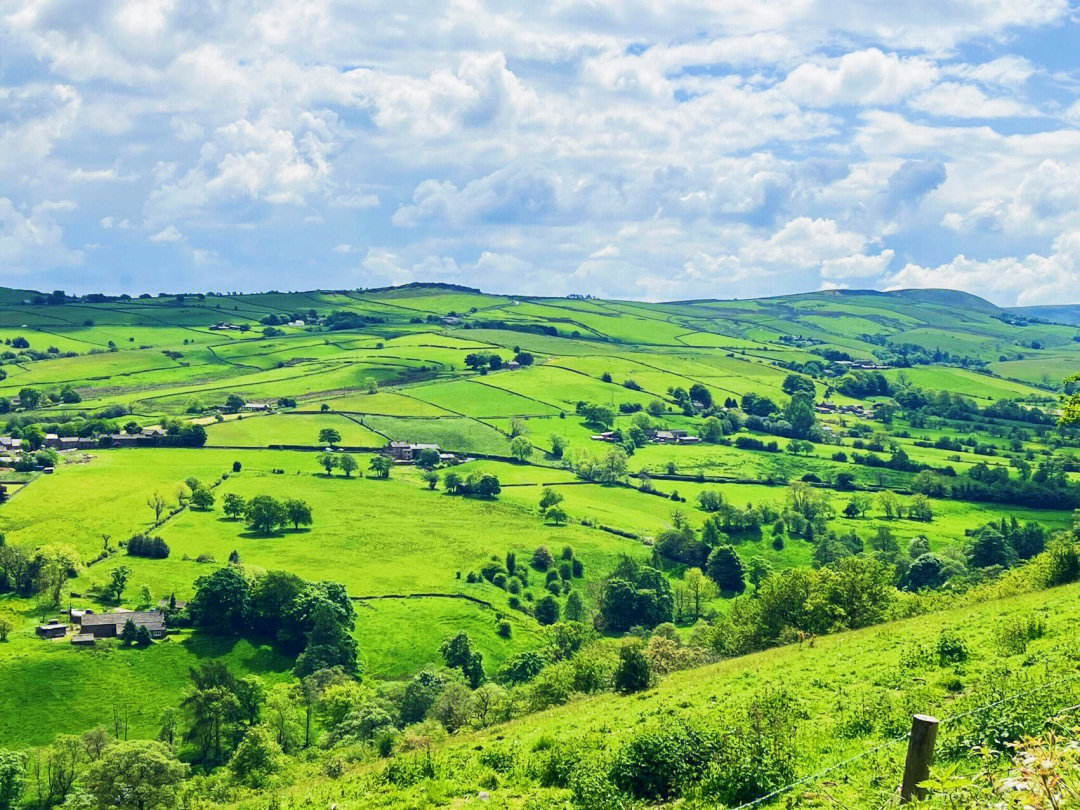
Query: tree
x=549 y=498
x=329 y=644
x=135 y=775
x=633 y=672
x=542 y=559
x=987 y=548
x=348 y=464
x=327 y=461
x=575 y=607
x=726 y=570
x=264 y=514
x=234 y=506
x=557 y=515
x=369 y=385
x=757 y=570
x=59 y=561
x=558 y=446
x=30 y=398
x=329 y=436
x=800 y=413
x=157 y=503
x=129 y=634
x=927 y=571
x=457 y=650
x=699 y=587
x=920 y=509
x=430 y=477
x=6 y=626
x=486 y=487
x=142 y=636
x=12 y=778
x=521 y=448
x=889 y=503
x=298 y=512
x=146 y=596
x=234 y=402
x=428 y=457
x=381 y=466
x=547 y=610
x=202 y=498
x=452 y=482
x=257 y=757
x=118 y=580
x=221 y=602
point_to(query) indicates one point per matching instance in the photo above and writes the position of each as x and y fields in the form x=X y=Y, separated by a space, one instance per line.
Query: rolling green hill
x=906 y=439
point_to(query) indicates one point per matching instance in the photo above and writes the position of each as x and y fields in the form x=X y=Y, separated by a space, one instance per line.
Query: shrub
x=950 y=649
x=542 y=559
x=1012 y=635
x=547 y=610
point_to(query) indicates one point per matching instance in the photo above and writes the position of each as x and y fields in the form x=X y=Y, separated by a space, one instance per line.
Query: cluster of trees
x=904 y=355
x=44 y=570
x=862 y=384
x=314 y=619
x=92 y=770
x=340 y=461
x=339 y=320
x=308 y=316
x=608 y=468
x=635 y=595
x=1048 y=487
x=508 y=574
x=478 y=483
x=478 y=360
x=265 y=514
x=143 y=545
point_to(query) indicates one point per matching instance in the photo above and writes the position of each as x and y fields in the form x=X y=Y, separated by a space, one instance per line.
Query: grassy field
x=404 y=552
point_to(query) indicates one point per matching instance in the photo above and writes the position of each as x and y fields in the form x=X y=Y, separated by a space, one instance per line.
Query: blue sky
x=621 y=148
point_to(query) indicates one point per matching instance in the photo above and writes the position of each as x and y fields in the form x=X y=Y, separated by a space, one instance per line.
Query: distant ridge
x=942 y=297
x=1068 y=314
x=951 y=298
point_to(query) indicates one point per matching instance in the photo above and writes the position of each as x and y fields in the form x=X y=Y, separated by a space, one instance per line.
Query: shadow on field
x=253 y=657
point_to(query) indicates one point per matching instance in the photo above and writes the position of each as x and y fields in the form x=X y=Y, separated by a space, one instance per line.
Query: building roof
x=151 y=618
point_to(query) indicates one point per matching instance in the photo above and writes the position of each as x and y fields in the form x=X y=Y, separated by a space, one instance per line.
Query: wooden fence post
x=920 y=753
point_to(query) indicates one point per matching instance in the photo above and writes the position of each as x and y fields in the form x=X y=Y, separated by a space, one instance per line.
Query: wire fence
x=900 y=738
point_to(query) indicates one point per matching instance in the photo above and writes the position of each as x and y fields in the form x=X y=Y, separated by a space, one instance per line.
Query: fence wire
x=888 y=743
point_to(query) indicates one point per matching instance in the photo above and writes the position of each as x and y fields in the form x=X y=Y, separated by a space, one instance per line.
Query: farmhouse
x=83 y=640
x=256 y=406
x=408 y=451
x=53 y=629
x=110 y=625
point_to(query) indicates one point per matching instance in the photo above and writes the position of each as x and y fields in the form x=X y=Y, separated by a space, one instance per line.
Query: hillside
x=376 y=507
x=843 y=695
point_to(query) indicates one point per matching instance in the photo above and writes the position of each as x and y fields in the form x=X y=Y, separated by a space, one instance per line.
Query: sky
x=618 y=148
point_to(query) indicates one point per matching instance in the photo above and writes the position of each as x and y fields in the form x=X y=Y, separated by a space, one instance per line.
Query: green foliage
x=135 y=775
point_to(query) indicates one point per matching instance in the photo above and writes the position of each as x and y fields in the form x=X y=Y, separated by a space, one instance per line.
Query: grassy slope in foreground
x=853 y=687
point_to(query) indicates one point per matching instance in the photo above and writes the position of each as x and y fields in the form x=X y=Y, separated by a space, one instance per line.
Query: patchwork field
x=913 y=435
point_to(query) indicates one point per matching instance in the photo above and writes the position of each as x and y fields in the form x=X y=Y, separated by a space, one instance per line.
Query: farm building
x=408 y=451
x=52 y=630
x=83 y=640
x=110 y=625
